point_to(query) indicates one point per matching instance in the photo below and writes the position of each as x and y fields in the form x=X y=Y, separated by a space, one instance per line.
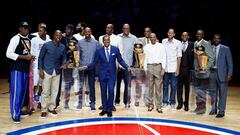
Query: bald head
x=57 y=36
x=126 y=29
x=109 y=29
x=199 y=34
x=185 y=36
x=87 y=32
x=153 y=38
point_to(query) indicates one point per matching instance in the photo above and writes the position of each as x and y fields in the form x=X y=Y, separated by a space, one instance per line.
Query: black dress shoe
x=150 y=108
x=159 y=110
x=212 y=112
x=100 y=107
x=179 y=107
x=102 y=113
x=109 y=114
x=114 y=108
x=186 y=108
x=220 y=115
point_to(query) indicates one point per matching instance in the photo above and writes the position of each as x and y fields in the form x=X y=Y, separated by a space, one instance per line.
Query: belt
x=154 y=64
x=213 y=69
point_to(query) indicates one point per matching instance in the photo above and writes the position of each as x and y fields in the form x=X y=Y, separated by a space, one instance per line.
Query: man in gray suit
x=201 y=79
x=146 y=40
x=223 y=72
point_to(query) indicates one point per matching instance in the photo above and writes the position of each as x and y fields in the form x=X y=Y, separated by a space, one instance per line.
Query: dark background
x=213 y=16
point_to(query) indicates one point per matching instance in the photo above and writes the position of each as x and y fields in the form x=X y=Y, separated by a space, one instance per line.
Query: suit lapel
x=220 y=52
x=104 y=54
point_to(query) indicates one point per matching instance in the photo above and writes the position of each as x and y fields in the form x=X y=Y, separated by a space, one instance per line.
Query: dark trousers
x=91 y=83
x=218 y=93
x=184 y=80
x=107 y=93
x=122 y=75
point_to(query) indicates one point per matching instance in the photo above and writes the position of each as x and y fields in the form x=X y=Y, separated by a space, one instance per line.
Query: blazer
x=211 y=57
x=187 y=57
x=224 y=63
x=107 y=69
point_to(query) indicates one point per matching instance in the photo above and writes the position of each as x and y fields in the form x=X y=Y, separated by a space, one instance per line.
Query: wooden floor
x=230 y=121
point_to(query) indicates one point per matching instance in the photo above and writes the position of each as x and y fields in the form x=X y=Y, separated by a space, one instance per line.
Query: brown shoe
x=159 y=110
x=53 y=112
x=150 y=108
x=43 y=115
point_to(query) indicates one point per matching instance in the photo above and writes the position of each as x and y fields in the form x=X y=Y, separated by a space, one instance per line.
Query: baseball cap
x=24 y=25
x=70 y=26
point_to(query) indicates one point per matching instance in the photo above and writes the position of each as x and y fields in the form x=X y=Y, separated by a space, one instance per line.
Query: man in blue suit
x=106 y=56
x=223 y=68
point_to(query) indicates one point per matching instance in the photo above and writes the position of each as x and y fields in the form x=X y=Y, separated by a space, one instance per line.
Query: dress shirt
x=173 y=51
x=216 y=51
x=185 y=46
x=154 y=54
x=128 y=43
x=52 y=56
x=87 y=49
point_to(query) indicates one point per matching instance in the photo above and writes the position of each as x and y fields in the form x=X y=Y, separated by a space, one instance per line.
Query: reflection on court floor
x=124 y=126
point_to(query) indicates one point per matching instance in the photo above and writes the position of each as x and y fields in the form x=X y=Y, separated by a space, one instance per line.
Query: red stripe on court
x=125 y=129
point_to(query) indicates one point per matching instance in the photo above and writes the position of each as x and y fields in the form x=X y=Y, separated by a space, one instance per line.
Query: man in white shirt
x=114 y=39
x=36 y=34
x=174 y=54
x=155 y=63
x=37 y=43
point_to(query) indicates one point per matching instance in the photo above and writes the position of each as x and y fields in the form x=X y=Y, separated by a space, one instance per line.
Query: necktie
x=215 y=52
x=184 y=46
x=107 y=54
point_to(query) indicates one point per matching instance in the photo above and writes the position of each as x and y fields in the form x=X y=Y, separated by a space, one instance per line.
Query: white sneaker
x=164 y=105
x=75 y=104
x=173 y=107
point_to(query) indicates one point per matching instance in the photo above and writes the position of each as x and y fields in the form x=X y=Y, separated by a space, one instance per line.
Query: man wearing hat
x=19 y=51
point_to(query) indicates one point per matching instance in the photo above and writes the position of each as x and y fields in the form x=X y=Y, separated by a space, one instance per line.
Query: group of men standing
x=171 y=62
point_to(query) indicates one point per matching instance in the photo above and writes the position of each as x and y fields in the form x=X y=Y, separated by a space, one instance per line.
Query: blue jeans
x=169 y=77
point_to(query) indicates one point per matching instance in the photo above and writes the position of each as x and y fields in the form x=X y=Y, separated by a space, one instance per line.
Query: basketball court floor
x=132 y=121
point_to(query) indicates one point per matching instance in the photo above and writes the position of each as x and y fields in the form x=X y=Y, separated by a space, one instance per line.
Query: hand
x=162 y=72
x=83 y=68
x=130 y=69
x=229 y=78
x=30 y=57
x=63 y=66
x=177 y=72
x=41 y=74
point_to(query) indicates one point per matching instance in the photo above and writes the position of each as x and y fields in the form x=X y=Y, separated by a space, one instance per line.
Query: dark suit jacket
x=187 y=57
x=224 y=63
x=107 y=70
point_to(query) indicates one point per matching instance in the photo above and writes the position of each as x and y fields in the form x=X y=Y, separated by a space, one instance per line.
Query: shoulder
x=190 y=43
x=35 y=39
x=114 y=47
x=15 y=38
x=224 y=47
x=164 y=40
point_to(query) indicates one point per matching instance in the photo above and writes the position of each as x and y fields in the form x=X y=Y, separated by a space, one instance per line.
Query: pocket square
x=113 y=53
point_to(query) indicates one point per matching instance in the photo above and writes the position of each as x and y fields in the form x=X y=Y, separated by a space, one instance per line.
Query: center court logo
x=124 y=126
